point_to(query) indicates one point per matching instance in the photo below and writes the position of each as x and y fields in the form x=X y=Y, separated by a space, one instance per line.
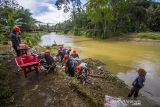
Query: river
x=121 y=58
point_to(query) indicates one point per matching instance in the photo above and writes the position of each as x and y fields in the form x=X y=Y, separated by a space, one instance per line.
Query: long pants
x=18 y=52
x=71 y=71
x=134 y=91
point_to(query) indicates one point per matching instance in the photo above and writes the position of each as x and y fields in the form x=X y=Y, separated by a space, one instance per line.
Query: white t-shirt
x=83 y=65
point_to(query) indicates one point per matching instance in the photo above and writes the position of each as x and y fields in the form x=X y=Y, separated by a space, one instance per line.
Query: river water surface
x=121 y=58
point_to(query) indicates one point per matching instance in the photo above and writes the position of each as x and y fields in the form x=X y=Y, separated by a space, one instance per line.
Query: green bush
x=150 y=35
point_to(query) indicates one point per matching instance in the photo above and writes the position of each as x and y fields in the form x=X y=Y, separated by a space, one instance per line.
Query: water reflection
x=52 y=38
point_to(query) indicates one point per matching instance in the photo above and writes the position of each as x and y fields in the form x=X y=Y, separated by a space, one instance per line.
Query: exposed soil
x=57 y=89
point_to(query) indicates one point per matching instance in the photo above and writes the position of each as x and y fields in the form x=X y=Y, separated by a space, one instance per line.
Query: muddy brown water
x=121 y=58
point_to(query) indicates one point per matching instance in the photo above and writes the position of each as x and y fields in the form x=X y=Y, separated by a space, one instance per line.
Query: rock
x=5 y=43
x=12 y=99
x=9 y=61
x=35 y=87
x=100 y=68
x=18 y=105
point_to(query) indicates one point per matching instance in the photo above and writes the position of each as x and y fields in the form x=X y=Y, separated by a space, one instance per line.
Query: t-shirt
x=71 y=63
x=83 y=65
x=14 y=39
x=49 y=59
x=138 y=82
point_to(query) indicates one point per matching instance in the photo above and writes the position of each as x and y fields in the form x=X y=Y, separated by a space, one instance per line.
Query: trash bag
x=113 y=102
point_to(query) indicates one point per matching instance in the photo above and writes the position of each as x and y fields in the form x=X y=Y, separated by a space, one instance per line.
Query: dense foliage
x=104 y=18
x=11 y=13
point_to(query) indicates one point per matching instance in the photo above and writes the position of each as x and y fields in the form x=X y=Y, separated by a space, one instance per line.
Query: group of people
x=70 y=59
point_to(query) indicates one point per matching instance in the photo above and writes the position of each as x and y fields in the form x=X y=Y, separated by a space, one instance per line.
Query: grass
x=32 y=39
x=149 y=35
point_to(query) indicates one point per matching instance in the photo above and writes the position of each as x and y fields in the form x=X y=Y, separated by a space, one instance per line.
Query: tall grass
x=149 y=35
x=32 y=39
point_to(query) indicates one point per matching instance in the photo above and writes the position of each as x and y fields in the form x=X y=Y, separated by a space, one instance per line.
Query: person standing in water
x=138 y=83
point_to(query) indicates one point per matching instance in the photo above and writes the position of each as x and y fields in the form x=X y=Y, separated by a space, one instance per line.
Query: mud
x=57 y=89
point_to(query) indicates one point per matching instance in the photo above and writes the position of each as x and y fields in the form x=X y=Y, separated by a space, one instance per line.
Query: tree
x=153 y=21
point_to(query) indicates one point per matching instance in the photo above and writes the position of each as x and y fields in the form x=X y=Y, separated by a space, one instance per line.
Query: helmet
x=74 y=51
x=16 y=28
x=65 y=56
x=141 y=72
x=78 y=68
x=69 y=49
x=47 y=52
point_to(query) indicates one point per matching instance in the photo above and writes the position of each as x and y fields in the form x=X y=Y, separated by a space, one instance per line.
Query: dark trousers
x=134 y=91
x=18 y=52
x=71 y=71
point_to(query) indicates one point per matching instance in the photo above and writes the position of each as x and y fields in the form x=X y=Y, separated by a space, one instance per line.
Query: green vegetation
x=13 y=14
x=32 y=39
x=104 y=18
x=149 y=35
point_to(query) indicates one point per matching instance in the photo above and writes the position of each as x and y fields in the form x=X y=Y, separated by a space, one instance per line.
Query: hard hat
x=65 y=56
x=16 y=28
x=69 y=49
x=78 y=68
x=74 y=51
x=47 y=51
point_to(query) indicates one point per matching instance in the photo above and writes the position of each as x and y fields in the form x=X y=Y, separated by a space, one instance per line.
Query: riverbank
x=137 y=37
x=58 y=89
x=33 y=38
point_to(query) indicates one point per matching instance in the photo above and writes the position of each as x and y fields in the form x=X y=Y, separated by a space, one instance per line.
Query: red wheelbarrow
x=24 y=48
x=28 y=63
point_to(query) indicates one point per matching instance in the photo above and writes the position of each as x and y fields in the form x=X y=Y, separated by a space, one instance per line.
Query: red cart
x=28 y=64
x=24 y=48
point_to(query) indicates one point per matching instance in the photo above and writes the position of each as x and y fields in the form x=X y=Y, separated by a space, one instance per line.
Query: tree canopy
x=103 y=18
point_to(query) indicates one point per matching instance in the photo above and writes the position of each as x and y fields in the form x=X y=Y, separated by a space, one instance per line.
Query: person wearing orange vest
x=15 y=39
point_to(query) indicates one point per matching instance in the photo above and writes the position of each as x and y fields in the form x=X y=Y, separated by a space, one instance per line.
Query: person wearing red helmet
x=74 y=54
x=50 y=62
x=69 y=65
x=61 y=52
x=49 y=59
x=68 y=51
x=81 y=68
x=14 y=36
x=66 y=59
